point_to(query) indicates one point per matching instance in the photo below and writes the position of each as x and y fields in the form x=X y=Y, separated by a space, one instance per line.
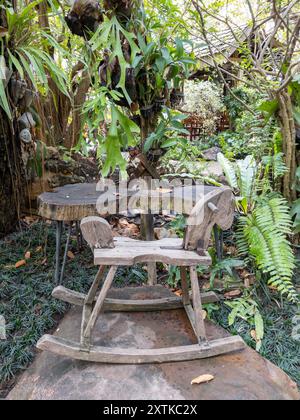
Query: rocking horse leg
x=152 y=274
x=93 y=290
x=197 y=305
x=185 y=287
x=88 y=303
x=90 y=323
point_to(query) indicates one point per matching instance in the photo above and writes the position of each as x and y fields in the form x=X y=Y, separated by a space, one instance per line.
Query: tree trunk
x=57 y=110
x=73 y=131
x=12 y=191
x=11 y=169
x=147 y=225
x=288 y=130
x=147 y=220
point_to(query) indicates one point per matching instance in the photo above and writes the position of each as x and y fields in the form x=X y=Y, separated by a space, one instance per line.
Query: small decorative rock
x=212 y=153
x=26 y=121
x=25 y=136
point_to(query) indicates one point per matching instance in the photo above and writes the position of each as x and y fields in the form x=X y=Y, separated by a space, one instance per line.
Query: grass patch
x=25 y=293
x=278 y=345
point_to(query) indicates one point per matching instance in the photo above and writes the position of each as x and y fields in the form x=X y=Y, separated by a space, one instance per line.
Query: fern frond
x=247 y=170
x=229 y=170
x=262 y=236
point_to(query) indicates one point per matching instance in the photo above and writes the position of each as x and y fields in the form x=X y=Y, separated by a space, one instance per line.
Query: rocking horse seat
x=139 y=252
x=110 y=253
x=166 y=243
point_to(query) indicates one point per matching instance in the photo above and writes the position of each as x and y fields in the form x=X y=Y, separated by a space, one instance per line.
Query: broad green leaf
x=27 y=68
x=270 y=107
x=3 y=100
x=16 y=63
x=259 y=325
x=229 y=170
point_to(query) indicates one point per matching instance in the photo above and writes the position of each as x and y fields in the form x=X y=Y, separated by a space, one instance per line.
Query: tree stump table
x=71 y=203
x=68 y=204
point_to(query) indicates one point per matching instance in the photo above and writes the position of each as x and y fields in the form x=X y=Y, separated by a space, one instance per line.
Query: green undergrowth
x=25 y=292
x=278 y=345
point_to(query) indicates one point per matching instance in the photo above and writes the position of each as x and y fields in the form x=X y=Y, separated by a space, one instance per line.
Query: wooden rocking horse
x=215 y=208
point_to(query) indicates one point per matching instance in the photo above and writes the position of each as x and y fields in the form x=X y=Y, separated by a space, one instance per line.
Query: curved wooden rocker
x=110 y=253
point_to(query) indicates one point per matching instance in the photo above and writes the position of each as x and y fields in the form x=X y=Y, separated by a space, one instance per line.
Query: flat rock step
x=243 y=375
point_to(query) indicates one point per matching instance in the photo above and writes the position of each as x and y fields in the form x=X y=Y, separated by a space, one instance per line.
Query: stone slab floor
x=243 y=375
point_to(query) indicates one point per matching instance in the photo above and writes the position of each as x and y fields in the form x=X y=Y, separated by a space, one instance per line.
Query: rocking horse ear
x=97 y=232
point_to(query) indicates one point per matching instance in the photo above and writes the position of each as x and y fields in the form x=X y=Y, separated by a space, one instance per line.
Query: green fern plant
x=241 y=176
x=262 y=236
x=275 y=164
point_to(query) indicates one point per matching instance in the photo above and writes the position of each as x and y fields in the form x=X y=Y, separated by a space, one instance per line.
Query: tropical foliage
x=204 y=100
x=121 y=83
x=29 y=52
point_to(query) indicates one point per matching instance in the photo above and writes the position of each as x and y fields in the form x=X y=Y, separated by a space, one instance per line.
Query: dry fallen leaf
x=20 y=263
x=39 y=249
x=253 y=335
x=232 y=294
x=28 y=255
x=203 y=379
x=37 y=309
x=206 y=285
x=3 y=32
x=71 y=255
x=204 y=314
x=29 y=220
x=178 y=293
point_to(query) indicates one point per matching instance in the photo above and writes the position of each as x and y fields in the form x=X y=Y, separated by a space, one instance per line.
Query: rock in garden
x=212 y=153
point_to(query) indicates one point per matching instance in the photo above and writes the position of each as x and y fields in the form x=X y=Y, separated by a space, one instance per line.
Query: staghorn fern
x=262 y=235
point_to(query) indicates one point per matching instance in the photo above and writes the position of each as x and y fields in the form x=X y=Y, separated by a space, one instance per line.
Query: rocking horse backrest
x=214 y=208
x=97 y=232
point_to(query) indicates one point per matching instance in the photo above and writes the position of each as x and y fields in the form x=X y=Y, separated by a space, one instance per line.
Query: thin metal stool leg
x=59 y=226
x=66 y=254
x=79 y=236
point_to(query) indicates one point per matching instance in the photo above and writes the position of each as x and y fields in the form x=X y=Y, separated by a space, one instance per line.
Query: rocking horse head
x=97 y=232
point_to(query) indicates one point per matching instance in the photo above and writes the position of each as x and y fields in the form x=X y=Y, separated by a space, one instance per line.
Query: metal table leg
x=66 y=254
x=79 y=236
x=59 y=227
